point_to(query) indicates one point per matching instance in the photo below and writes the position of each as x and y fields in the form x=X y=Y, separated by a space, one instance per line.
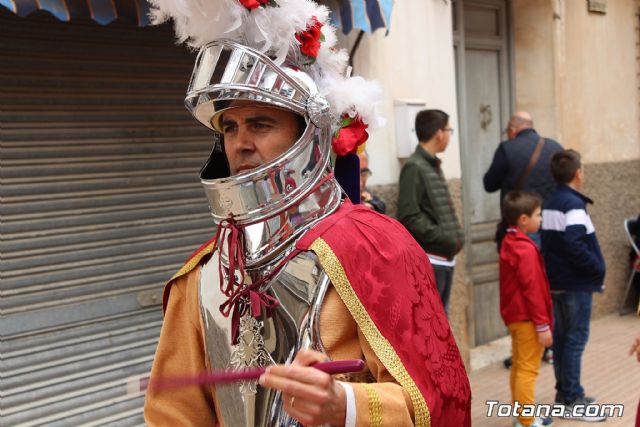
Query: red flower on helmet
x=351 y=134
x=253 y=4
x=310 y=39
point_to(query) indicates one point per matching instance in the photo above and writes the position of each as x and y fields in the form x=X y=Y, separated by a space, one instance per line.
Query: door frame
x=460 y=44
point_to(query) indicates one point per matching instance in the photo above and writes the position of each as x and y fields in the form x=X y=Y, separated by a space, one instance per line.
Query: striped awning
x=365 y=15
x=102 y=11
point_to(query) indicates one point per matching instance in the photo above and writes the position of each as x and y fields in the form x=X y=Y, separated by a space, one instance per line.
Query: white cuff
x=350 y=416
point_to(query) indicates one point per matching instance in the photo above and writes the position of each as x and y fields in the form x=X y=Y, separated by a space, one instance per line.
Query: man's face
x=364 y=170
x=255 y=134
x=444 y=138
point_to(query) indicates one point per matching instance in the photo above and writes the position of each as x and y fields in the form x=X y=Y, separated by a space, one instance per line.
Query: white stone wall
x=577 y=73
x=415 y=61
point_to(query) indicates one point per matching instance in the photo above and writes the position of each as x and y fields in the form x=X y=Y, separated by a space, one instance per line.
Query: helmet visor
x=226 y=71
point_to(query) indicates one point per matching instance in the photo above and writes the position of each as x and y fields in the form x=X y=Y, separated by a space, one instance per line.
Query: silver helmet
x=227 y=73
x=283 y=54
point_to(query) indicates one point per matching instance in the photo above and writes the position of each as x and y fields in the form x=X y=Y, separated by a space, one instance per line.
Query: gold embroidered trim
x=375 y=407
x=191 y=264
x=379 y=344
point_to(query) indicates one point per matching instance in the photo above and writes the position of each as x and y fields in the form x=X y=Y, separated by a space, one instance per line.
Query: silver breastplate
x=300 y=288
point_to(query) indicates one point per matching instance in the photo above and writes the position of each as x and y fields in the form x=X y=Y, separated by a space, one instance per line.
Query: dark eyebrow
x=256 y=119
x=250 y=120
x=226 y=122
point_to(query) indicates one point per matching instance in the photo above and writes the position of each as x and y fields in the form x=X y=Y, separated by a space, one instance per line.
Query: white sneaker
x=538 y=422
x=571 y=412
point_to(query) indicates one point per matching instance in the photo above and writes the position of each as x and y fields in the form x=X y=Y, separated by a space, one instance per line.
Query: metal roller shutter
x=100 y=204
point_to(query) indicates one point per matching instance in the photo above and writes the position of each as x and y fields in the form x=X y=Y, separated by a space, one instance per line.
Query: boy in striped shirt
x=576 y=269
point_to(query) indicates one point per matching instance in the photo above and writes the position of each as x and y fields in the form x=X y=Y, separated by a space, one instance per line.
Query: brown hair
x=517 y=203
x=564 y=165
x=428 y=122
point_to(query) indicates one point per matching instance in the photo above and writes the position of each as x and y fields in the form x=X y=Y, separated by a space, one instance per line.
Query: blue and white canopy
x=102 y=11
x=365 y=15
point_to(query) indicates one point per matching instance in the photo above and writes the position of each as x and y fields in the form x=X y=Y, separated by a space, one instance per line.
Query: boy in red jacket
x=525 y=300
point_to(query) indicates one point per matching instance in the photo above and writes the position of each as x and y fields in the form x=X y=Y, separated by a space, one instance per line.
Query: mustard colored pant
x=526 y=356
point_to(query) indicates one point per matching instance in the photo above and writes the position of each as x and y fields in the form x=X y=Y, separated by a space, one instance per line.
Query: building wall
x=533 y=59
x=614 y=188
x=598 y=75
x=414 y=61
x=461 y=287
x=578 y=74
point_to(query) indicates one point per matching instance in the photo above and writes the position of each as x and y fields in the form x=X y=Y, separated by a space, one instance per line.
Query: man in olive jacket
x=424 y=204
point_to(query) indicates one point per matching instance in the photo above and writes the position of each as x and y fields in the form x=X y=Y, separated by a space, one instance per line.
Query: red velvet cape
x=373 y=258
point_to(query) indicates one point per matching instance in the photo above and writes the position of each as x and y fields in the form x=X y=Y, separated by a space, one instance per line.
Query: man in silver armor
x=296 y=274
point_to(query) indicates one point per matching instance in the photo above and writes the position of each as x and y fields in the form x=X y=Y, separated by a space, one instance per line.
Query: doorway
x=481 y=44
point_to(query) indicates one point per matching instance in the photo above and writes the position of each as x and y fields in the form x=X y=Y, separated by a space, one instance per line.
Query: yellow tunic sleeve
x=180 y=351
x=379 y=402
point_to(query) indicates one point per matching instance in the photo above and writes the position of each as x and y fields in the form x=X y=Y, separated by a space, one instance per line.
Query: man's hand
x=635 y=348
x=309 y=395
x=545 y=338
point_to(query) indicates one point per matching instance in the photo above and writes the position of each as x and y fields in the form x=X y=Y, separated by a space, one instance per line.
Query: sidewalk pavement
x=608 y=373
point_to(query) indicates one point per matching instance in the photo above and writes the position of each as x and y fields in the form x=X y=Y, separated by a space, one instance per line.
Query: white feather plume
x=331 y=60
x=198 y=22
x=272 y=30
x=357 y=96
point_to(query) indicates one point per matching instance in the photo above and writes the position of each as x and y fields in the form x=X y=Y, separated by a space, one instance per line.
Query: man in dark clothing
x=424 y=204
x=512 y=157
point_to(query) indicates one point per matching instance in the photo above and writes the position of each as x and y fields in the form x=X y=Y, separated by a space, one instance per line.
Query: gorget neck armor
x=300 y=287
